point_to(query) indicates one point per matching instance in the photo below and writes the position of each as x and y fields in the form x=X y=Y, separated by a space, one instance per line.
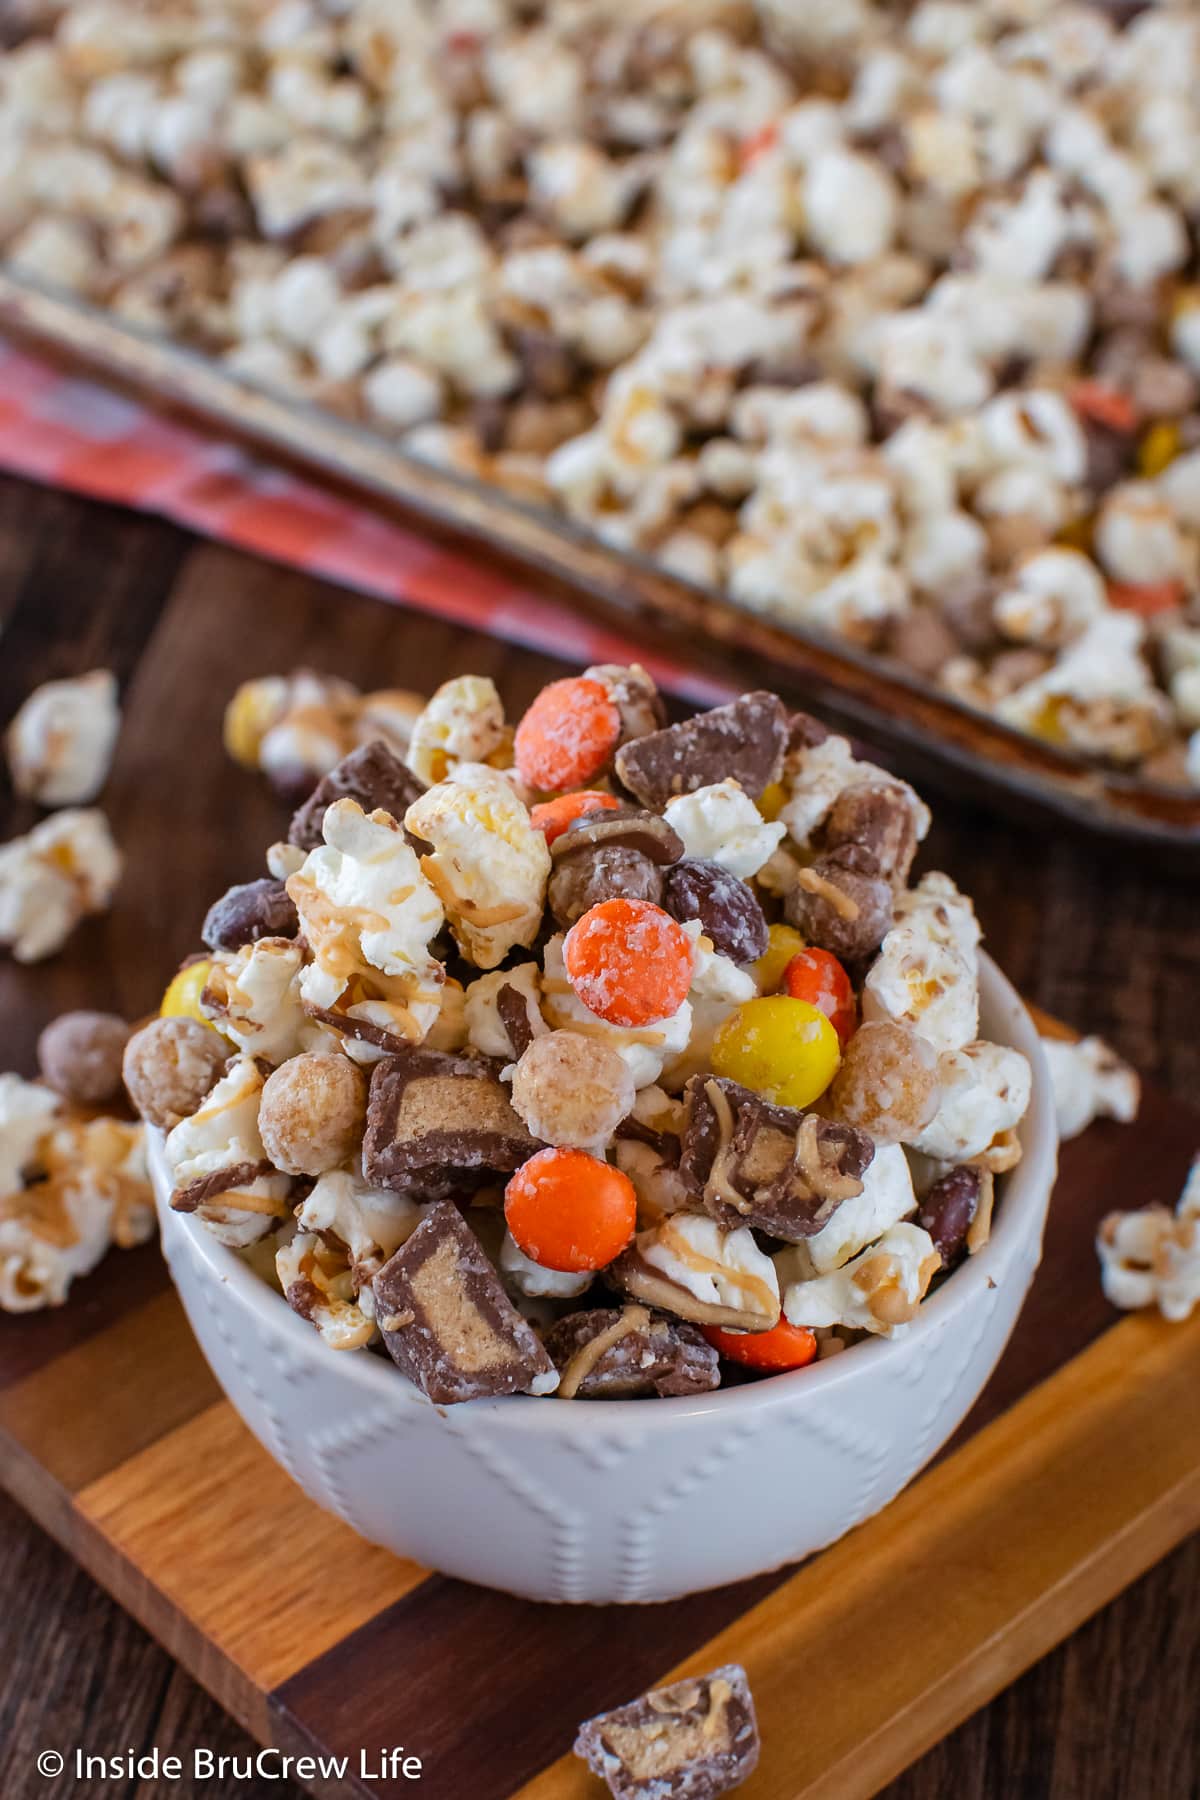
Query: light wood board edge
x=876 y=1649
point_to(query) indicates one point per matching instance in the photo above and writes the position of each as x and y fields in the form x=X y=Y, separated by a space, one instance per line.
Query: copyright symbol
x=50 y=1762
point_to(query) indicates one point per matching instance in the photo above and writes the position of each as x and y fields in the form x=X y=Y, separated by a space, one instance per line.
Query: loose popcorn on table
x=1090 y=1082
x=61 y=740
x=873 y=326
x=1152 y=1257
x=63 y=871
x=459 y=1060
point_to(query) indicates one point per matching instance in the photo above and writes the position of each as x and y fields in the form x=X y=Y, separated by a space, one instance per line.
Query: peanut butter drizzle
x=329 y=928
x=633 y=1318
x=597 y=1027
x=242 y=1201
x=668 y=1235
x=462 y=904
x=842 y=904
x=719 y=1186
x=826 y=1183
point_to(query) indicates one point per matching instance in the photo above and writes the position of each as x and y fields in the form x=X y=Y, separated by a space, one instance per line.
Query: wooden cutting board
x=1077 y=1469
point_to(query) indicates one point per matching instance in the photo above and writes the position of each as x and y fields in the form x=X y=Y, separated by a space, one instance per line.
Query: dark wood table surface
x=1093 y=935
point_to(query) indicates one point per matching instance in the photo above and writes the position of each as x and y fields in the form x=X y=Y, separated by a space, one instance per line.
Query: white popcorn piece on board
x=61 y=872
x=1090 y=1082
x=926 y=975
x=985 y=1092
x=1152 y=1257
x=463 y=722
x=219 y=1168
x=488 y=866
x=368 y=914
x=722 y=824
x=878 y=1291
x=61 y=740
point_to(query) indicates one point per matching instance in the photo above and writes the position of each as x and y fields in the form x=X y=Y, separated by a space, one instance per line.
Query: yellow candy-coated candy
x=779 y=1047
x=783 y=942
x=772 y=800
x=182 y=998
x=248 y=717
x=1158 y=449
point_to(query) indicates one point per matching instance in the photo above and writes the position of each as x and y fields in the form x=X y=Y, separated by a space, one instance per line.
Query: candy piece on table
x=487 y=864
x=748 y=1162
x=61 y=872
x=1152 y=1257
x=503 y=1011
x=779 y=1047
x=1090 y=1081
x=926 y=975
x=694 y=1740
x=879 y=819
x=570 y=1211
x=367 y=914
x=647 y=1049
x=372 y=776
x=533 y=1280
x=878 y=1291
x=689 y=1267
x=783 y=943
x=784 y=1347
x=312 y=1113
x=440 y=1124
x=567 y=736
x=253 y=997
x=818 y=977
x=633 y=692
x=553 y=817
x=169 y=1066
x=951 y=1208
x=727 y=908
x=629 y=962
x=79 y=1055
x=61 y=740
x=447 y=1321
x=744 y=741
x=252 y=910
x=887 y=1084
x=984 y=1094
x=463 y=722
x=841 y=906
x=722 y=824
x=318 y=1284
x=886 y=1198
x=628 y=1353
x=572 y=1090
x=219 y=1168
x=181 y=996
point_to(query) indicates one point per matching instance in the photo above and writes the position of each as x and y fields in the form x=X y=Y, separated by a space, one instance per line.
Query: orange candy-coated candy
x=553 y=817
x=568 y=1210
x=783 y=1347
x=818 y=977
x=629 y=962
x=567 y=735
x=1146 y=597
x=1104 y=405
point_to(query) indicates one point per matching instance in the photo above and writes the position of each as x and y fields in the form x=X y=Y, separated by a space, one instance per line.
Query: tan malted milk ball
x=169 y=1066
x=572 y=1090
x=79 y=1055
x=887 y=1085
x=312 y=1113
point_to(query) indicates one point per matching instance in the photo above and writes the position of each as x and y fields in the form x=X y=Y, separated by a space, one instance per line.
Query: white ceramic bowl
x=624 y=1500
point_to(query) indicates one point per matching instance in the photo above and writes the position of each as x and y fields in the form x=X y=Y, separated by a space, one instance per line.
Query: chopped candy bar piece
x=447 y=1321
x=879 y=819
x=691 y=1741
x=744 y=741
x=750 y=1163
x=372 y=776
x=624 y=1354
x=439 y=1124
x=253 y=910
x=841 y=905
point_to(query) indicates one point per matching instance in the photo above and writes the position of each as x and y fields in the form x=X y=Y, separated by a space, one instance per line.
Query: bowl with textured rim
x=624 y=1500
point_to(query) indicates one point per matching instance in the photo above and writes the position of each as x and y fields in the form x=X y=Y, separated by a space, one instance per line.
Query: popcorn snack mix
x=889 y=330
x=531 y=1132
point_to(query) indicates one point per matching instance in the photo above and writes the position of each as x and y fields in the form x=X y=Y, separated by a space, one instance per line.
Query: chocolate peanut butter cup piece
x=372 y=776
x=448 y=1323
x=878 y=819
x=252 y=910
x=439 y=1124
x=626 y=1353
x=694 y=1740
x=748 y=1162
x=744 y=741
x=727 y=908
